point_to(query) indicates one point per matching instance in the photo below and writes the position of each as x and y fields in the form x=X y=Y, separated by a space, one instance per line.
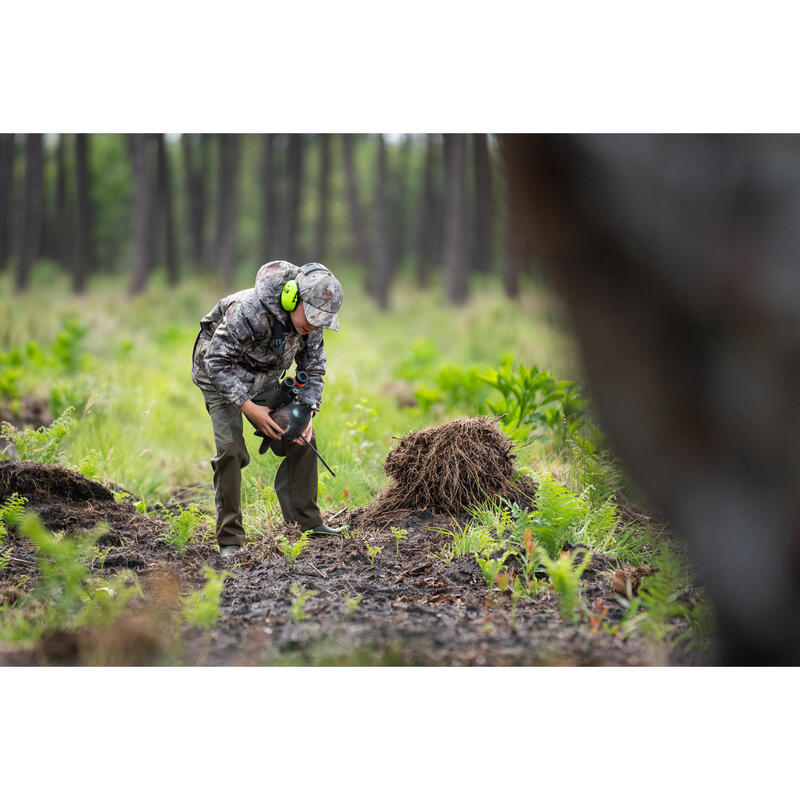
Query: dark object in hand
x=293 y=418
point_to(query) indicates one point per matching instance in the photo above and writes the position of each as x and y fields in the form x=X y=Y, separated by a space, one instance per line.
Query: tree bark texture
x=294 y=185
x=269 y=205
x=29 y=241
x=64 y=224
x=456 y=270
x=165 y=211
x=83 y=261
x=676 y=256
x=399 y=211
x=227 y=205
x=323 y=215
x=7 y=148
x=513 y=266
x=484 y=205
x=381 y=263
x=195 y=170
x=428 y=224
x=354 y=203
x=143 y=150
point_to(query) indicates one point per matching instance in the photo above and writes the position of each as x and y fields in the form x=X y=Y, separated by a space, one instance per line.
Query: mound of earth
x=68 y=502
x=446 y=468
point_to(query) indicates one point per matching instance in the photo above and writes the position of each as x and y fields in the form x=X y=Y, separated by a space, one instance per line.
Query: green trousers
x=295 y=480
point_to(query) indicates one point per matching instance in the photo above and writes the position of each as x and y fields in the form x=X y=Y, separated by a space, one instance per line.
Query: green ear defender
x=290 y=296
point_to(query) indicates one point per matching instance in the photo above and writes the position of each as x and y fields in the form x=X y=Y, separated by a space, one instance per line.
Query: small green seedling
x=565 y=573
x=352 y=602
x=183 y=526
x=201 y=608
x=372 y=552
x=102 y=554
x=5 y=558
x=399 y=534
x=491 y=566
x=299 y=600
x=291 y=550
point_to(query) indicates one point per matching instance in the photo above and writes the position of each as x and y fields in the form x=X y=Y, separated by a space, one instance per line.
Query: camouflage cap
x=321 y=294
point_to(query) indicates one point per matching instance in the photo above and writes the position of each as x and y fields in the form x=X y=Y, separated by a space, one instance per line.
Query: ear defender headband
x=290 y=294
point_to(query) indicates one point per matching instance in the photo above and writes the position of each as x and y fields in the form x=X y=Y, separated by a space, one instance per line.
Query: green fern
x=565 y=573
x=201 y=608
x=44 y=445
x=558 y=514
x=184 y=526
x=490 y=567
x=291 y=550
x=11 y=513
x=66 y=594
x=659 y=608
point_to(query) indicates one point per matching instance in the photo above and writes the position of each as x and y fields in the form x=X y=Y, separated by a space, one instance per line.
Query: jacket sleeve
x=233 y=335
x=311 y=359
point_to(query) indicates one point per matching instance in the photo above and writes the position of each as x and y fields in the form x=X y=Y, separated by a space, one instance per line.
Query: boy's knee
x=234 y=452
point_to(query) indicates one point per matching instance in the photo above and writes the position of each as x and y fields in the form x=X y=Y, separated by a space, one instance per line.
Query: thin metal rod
x=318 y=455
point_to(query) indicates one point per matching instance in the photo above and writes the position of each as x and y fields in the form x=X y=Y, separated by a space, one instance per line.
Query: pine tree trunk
x=484 y=205
x=29 y=241
x=294 y=185
x=381 y=254
x=514 y=246
x=6 y=196
x=455 y=254
x=321 y=240
x=427 y=225
x=63 y=209
x=82 y=261
x=165 y=211
x=269 y=207
x=399 y=217
x=354 y=203
x=143 y=149
x=227 y=205
x=195 y=165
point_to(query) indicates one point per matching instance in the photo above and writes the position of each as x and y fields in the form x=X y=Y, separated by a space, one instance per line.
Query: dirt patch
x=401 y=605
x=31 y=411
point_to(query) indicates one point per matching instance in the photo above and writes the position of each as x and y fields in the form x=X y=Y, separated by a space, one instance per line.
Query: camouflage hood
x=320 y=292
x=269 y=283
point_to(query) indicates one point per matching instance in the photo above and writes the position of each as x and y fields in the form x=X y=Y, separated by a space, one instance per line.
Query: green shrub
x=45 y=445
x=533 y=402
x=67 y=347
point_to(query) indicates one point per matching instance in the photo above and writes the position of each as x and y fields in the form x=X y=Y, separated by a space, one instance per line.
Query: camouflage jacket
x=233 y=354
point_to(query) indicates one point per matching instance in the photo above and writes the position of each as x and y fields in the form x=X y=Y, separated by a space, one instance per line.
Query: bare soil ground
x=415 y=609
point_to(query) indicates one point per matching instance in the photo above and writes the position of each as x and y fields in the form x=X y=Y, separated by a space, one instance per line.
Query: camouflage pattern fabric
x=233 y=354
x=321 y=294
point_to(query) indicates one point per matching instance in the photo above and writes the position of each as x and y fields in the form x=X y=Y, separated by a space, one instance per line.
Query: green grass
x=146 y=427
x=124 y=366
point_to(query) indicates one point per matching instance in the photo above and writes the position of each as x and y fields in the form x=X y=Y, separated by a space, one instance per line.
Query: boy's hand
x=307 y=434
x=259 y=416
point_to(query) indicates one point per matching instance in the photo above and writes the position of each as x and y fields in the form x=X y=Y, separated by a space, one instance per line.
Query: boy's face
x=301 y=324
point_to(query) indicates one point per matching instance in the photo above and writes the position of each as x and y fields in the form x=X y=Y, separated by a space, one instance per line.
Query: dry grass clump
x=446 y=468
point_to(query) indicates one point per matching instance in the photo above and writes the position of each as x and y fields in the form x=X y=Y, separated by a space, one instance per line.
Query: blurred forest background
x=222 y=204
